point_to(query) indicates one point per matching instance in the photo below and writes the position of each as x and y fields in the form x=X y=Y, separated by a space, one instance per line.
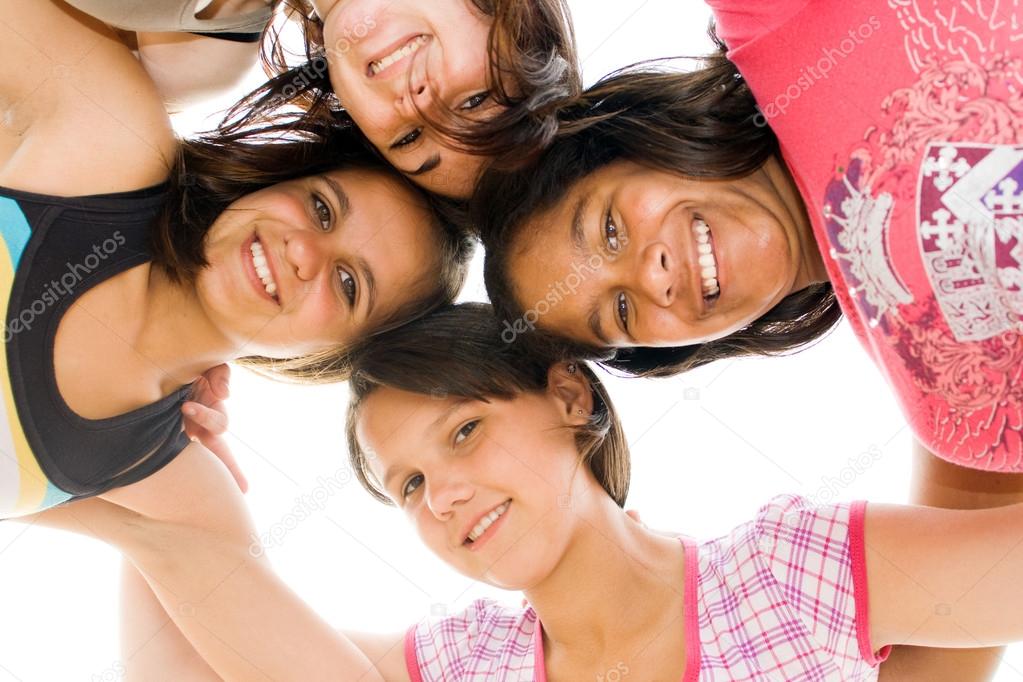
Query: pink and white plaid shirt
x=781 y=598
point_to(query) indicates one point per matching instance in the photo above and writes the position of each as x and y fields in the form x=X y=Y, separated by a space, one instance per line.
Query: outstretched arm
x=937 y=483
x=225 y=598
x=945 y=578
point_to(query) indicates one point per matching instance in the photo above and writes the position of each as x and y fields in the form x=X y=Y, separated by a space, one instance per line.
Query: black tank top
x=56 y=250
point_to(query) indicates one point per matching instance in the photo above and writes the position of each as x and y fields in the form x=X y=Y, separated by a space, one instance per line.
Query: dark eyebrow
x=593 y=321
x=578 y=231
x=371 y=284
x=344 y=204
x=427 y=166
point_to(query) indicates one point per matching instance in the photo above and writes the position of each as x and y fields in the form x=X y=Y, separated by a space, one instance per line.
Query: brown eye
x=323 y=213
x=466 y=430
x=611 y=237
x=408 y=139
x=475 y=101
x=411 y=485
x=622 y=306
x=348 y=284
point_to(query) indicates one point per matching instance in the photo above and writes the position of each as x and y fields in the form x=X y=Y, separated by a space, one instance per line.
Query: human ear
x=568 y=386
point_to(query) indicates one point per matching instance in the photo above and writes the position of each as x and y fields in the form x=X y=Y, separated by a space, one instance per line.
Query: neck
x=811 y=269
x=617 y=581
x=175 y=335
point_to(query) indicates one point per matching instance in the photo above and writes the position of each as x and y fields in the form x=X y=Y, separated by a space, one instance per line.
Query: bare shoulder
x=78 y=114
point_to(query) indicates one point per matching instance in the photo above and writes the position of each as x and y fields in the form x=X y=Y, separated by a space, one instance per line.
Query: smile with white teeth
x=411 y=47
x=708 y=263
x=262 y=269
x=487 y=521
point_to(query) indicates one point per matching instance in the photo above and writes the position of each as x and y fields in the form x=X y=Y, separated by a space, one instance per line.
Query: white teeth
x=408 y=48
x=262 y=269
x=707 y=260
x=484 y=523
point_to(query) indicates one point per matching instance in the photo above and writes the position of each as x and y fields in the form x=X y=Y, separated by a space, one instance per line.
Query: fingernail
x=190 y=410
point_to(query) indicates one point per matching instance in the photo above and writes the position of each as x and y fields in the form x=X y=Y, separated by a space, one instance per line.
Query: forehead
x=392 y=421
x=556 y=272
x=390 y=228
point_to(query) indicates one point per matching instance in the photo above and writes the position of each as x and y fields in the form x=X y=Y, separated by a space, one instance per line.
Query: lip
x=398 y=66
x=250 y=271
x=489 y=533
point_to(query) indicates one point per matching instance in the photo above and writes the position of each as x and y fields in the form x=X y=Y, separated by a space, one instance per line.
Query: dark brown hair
x=457 y=351
x=702 y=124
x=533 y=68
x=214 y=171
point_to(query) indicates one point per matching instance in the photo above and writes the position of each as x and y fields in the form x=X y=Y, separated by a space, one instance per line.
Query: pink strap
x=411 y=661
x=690 y=610
x=858 y=552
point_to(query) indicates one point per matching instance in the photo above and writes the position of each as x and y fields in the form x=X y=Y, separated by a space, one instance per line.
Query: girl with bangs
x=513 y=469
x=438 y=88
x=857 y=159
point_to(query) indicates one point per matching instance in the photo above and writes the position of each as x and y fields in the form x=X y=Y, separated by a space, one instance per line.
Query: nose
x=308 y=253
x=417 y=93
x=445 y=495
x=657 y=274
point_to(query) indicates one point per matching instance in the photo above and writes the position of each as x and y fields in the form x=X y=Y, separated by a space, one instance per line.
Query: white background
x=708 y=449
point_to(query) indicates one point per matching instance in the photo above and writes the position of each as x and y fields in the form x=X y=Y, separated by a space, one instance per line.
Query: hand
x=206 y=418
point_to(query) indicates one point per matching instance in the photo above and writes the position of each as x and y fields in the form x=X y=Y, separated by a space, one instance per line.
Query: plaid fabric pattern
x=775 y=603
x=487 y=642
x=776 y=598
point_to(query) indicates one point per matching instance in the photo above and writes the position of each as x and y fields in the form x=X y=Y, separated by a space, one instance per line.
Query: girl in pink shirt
x=513 y=469
x=859 y=158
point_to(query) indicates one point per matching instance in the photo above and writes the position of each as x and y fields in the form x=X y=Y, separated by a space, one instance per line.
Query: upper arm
x=385 y=651
x=82 y=115
x=193 y=540
x=944 y=578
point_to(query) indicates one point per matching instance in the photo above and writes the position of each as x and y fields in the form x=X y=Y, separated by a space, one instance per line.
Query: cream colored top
x=170 y=16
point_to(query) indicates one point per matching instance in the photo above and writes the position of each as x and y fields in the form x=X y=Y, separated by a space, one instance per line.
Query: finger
x=219 y=380
x=200 y=416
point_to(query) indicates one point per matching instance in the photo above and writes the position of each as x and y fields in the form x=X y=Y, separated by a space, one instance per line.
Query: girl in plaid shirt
x=482 y=447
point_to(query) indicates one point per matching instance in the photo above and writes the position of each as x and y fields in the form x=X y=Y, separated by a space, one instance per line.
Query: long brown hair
x=703 y=124
x=533 y=68
x=457 y=351
x=213 y=171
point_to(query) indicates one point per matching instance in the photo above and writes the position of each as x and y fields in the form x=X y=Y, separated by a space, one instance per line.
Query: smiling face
x=313 y=263
x=484 y=483
x=388 y=57
x=633 y=256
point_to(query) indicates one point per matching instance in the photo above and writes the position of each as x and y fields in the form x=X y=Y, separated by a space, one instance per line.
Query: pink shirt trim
x=411 y=661
x=689 y=609
x=858 y=552
x=692 y=671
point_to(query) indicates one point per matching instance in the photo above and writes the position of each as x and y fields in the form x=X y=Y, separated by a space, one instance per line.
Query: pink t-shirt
x=902 y=123
x=781 y=597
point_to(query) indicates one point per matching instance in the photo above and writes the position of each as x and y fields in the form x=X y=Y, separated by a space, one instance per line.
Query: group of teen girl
x=860 y=159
